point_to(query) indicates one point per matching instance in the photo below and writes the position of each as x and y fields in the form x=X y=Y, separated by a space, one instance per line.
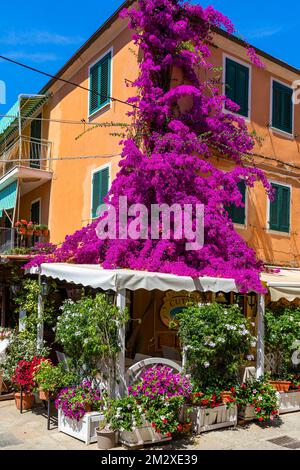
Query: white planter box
x=84 y=430
x=209 y=419
x=141 y=436
x=289 y=401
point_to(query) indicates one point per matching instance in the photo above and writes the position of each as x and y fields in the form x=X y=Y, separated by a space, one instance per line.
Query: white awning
x=117 y=279
x=283 y=285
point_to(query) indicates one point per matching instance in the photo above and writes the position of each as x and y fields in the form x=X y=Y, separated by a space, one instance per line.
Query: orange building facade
x=60 y=156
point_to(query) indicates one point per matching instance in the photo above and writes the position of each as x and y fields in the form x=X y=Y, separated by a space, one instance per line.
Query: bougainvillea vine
x=180 y=129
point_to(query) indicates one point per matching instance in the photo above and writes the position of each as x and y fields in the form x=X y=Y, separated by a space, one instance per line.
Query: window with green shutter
x=238 y=214
x=280 y=209
x=282 y=112
x=100 y=188
x=237 y=85
x=100 y=83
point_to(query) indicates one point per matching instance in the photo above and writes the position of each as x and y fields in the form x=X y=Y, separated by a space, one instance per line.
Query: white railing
x=8 y=239
x=26 y=151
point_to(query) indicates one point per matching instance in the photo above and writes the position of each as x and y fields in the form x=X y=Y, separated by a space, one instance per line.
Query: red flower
x=153 y=425
x=260 y=419
x=232 y=390
x=258 y=409
x=179 y=427
x=165 y=421
x=168 y=434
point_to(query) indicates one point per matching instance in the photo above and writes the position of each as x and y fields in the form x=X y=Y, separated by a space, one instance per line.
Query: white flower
x=77 y=333
x=260 y=398
x=244 y=332
x=254 y=391
x=221 y=340
x=253 y=344
x=250 y=357
x=206 y=364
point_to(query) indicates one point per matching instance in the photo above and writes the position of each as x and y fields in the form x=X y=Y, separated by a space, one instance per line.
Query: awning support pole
x=260 y=360
x=40 y=326
x=121 y=386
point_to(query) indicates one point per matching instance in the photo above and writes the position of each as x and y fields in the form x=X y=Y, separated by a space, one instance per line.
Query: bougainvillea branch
x=180 y=126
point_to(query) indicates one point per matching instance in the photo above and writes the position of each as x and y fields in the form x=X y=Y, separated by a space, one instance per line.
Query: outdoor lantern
x=251 y=299
x=44 y=288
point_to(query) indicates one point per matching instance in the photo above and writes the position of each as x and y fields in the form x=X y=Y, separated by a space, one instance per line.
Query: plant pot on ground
x=106 y=438
x=27 y=400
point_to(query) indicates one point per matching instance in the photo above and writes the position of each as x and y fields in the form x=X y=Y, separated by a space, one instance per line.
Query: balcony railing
x=8 y=239
x=28 y=152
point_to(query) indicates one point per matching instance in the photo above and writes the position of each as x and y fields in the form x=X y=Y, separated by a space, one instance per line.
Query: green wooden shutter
x=237 y=85
x=238 y=213
x=100 y=83
x=285 y=209
x=94 y=86
x=280 y=209
x=282 y=113
x=105 y=80
x=100 y=190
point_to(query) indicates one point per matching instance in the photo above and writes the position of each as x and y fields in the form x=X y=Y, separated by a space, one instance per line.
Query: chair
x=62 y=358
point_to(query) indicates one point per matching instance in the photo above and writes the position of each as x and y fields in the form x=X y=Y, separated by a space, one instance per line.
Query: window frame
x=247 y=65
x=276 y=129
x=96 y=170
x=269 y=229
x=107 y=105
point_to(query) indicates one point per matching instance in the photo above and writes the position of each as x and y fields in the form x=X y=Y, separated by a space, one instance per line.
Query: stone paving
x=29 y=431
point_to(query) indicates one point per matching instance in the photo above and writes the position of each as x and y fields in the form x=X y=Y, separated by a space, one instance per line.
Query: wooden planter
x=289 y=401
x=84 y=430
x=209 y=419
x=247 y=413
x=141 y=436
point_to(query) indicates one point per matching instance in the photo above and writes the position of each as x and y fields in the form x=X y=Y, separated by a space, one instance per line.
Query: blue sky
x=46 y=35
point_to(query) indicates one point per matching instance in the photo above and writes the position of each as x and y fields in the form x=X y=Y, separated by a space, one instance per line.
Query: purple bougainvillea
x=170 y=156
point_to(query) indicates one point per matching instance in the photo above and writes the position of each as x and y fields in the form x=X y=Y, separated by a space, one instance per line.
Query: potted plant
x=30 y=229
x=21 y=225
x=257 y=399
x=44 y=230
x=217 y=339
x=37 y=230
x=23 y=379
x=50 y=378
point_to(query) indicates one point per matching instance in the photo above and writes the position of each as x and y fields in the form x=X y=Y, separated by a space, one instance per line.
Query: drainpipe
x=121 y=386
x=260 y=364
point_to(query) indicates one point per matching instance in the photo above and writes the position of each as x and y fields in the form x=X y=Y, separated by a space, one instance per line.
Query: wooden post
x=121 y=385
x=260 y=360
x=184 y=357
x=40 y=326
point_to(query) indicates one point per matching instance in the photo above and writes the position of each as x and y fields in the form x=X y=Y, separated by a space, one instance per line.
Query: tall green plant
x=27 y=300
x=89 y=332
x=282 y=326
x=217 y=340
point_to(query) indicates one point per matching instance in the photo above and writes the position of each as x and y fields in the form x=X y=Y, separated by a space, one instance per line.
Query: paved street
x=29 y=431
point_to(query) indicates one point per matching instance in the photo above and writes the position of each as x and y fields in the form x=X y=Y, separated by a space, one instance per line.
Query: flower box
x=247 y=413
x=141 y=436
x=289 y=401
x=209 y=419
x=84 y=430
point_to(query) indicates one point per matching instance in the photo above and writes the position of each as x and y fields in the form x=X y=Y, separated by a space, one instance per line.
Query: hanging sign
x=175 y=302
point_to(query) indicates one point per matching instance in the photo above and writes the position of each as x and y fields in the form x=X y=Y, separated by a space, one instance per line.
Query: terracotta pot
x=226 y=397
x=106 y=439
x=37 y=233
x=281 y=385
x=43 y=395
x=28 y=400
x=45 y=232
